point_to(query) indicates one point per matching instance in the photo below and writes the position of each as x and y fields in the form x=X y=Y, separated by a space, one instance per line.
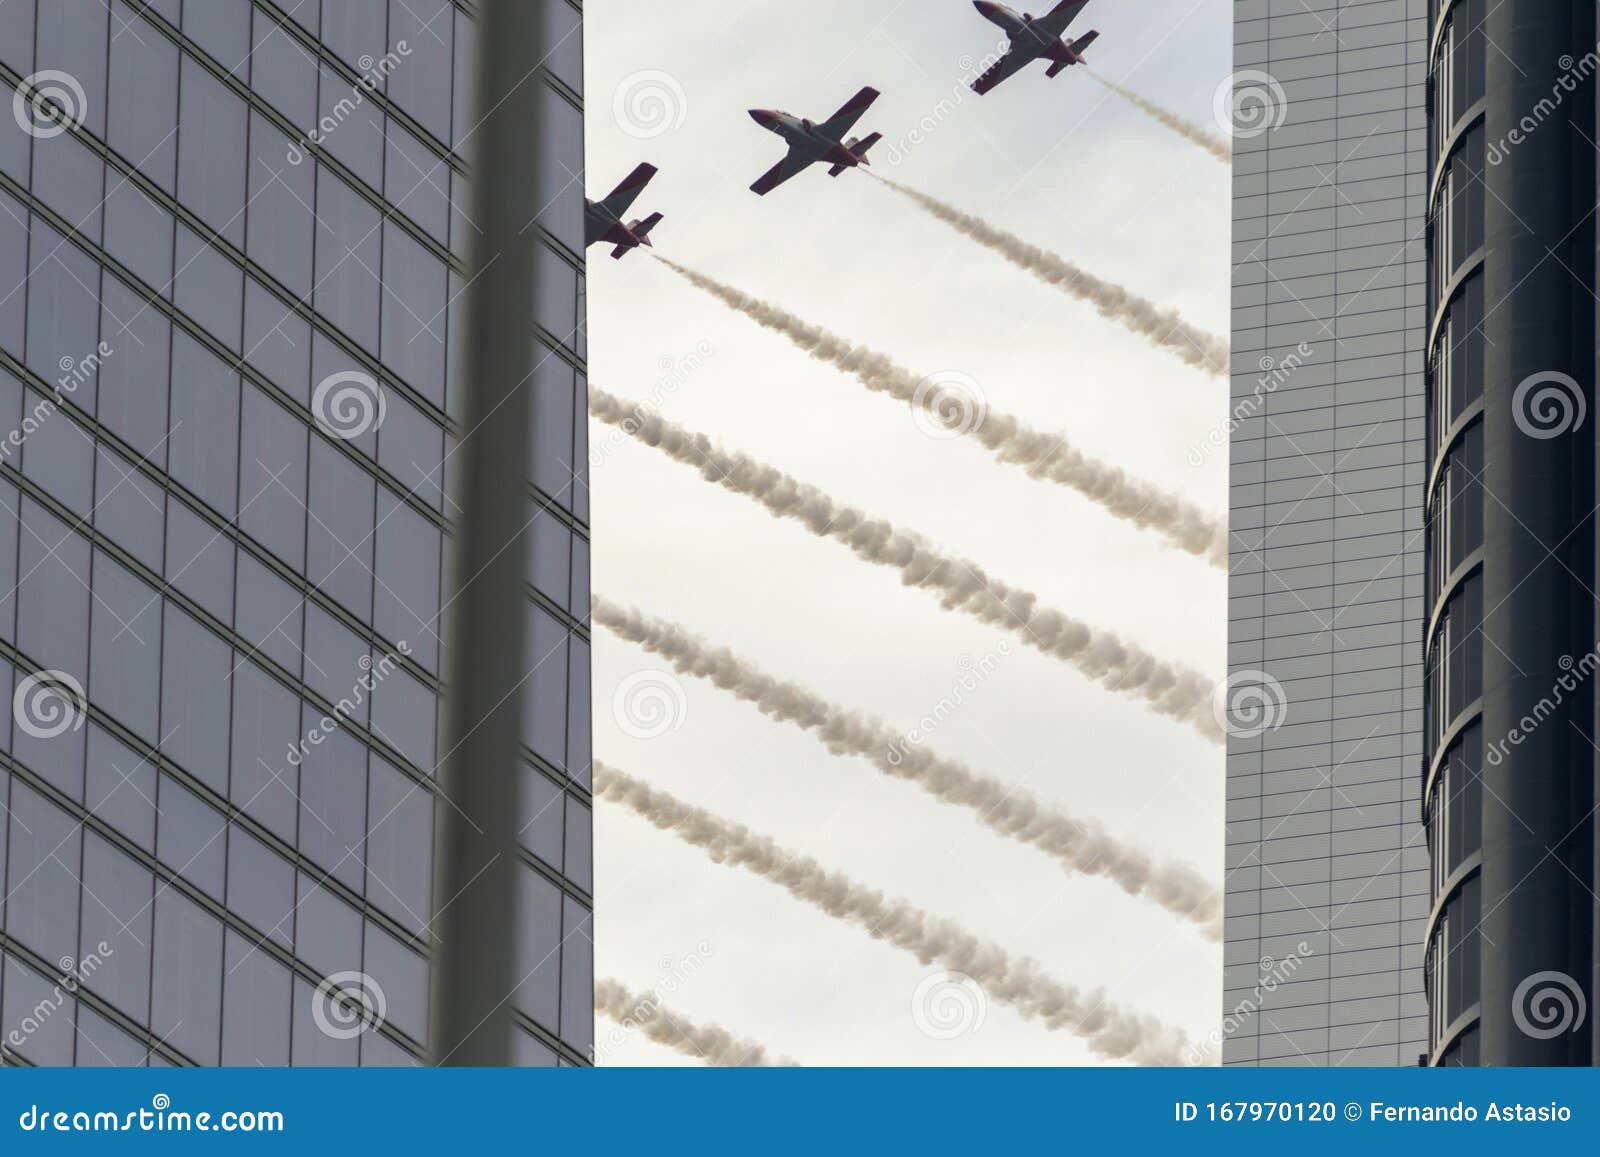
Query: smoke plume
x=1111 y=1031
x=961 y=585
x=1082 y=845
x=1164 y=327
x=1042 y=455
x=1187 y=129
x=710 y=1043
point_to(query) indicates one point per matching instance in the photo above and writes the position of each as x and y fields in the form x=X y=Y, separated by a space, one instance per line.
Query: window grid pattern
x=1327 y=871
x=221 y=574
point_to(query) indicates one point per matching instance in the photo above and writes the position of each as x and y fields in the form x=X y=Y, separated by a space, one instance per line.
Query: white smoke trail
x=1081 y=845
x=1187 y=129
x=961 y=585
x=1182 y=525
x=1047 y=456
x=1111 y=1031
x=710 y=1043
x=1164 y=327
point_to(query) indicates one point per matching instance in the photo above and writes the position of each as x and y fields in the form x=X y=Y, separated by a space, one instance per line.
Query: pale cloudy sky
x=1072 y=168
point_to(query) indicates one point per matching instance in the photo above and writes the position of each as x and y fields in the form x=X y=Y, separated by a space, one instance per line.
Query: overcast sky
x=1075 y=170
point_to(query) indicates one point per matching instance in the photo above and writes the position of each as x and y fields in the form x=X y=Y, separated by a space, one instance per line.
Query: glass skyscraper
x=1327 y=889
x=231 y=240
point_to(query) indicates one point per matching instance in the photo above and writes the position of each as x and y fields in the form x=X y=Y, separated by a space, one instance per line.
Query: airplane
x=809 y=142
x=602 y=220
x=1033 y=38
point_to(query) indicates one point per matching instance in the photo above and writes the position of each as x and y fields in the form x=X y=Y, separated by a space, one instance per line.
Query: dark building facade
x=231 y=247
x=1510 y=642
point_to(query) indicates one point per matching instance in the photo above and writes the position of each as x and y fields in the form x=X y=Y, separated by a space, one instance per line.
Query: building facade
x=1327 y=869
x=1511 y=624
x=231 y=237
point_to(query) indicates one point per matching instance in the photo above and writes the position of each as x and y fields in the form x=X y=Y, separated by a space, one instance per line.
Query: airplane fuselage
x=804 y=135
x=1019 y=29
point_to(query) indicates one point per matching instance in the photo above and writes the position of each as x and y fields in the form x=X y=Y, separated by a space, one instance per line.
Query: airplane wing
x=1055 y=21
x=619 y=199
x=999 y=70
x=791 y=164
x=844 y=120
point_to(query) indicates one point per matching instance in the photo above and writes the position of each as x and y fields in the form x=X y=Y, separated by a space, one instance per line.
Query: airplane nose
x=984 y=6
x=763 y=116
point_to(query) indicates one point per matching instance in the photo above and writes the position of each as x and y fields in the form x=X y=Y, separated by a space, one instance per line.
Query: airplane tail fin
x=857 y=149
x=1071 y=53
x=641 y=229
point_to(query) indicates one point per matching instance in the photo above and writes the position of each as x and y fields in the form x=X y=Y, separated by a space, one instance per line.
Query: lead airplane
x=602 y=220
x=809 y=142
x=1033 y=38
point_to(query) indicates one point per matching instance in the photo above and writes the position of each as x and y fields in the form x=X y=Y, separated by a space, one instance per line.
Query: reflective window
x=211 y=161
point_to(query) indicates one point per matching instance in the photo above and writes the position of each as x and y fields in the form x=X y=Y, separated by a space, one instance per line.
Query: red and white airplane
x=602 y=220
x=809 y=142
x=1033 y=38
